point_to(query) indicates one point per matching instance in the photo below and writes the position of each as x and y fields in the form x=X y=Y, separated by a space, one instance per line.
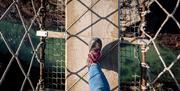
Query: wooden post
x=143 y=69
x=143 y=48
x=42 y=48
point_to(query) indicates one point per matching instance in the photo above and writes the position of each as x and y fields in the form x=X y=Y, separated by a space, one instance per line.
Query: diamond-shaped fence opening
x=12 y=31
x=162 y=51
x=19 y=45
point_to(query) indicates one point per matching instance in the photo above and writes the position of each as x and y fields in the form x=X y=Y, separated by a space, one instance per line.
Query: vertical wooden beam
x=143 y=47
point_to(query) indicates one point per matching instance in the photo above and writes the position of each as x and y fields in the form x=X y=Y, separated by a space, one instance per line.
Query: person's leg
x=97 y=79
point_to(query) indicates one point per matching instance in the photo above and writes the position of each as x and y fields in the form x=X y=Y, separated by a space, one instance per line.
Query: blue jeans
x=97 y=79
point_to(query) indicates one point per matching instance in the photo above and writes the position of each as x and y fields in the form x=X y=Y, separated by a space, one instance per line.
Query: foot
x=94 y=55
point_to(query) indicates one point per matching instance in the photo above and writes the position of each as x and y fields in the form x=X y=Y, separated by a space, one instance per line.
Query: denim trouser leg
x=97 y=80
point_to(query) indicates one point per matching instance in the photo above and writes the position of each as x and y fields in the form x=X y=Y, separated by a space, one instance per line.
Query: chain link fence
x=19 y=45
x=162 y=31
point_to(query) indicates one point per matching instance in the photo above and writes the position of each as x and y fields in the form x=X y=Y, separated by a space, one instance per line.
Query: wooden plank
x=83 y=24
x=107 y=30
x=52 y=34
x=125 y=40
x=135 y=41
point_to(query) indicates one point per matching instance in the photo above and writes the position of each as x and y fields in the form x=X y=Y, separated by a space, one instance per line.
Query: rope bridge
x=137 y=45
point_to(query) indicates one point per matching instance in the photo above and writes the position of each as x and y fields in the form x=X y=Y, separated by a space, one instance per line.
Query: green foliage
x=130 y=65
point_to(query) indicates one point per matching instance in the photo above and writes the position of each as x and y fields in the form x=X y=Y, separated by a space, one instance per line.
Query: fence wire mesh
x=55 y=64
x=162 y=50
x=19 y=45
